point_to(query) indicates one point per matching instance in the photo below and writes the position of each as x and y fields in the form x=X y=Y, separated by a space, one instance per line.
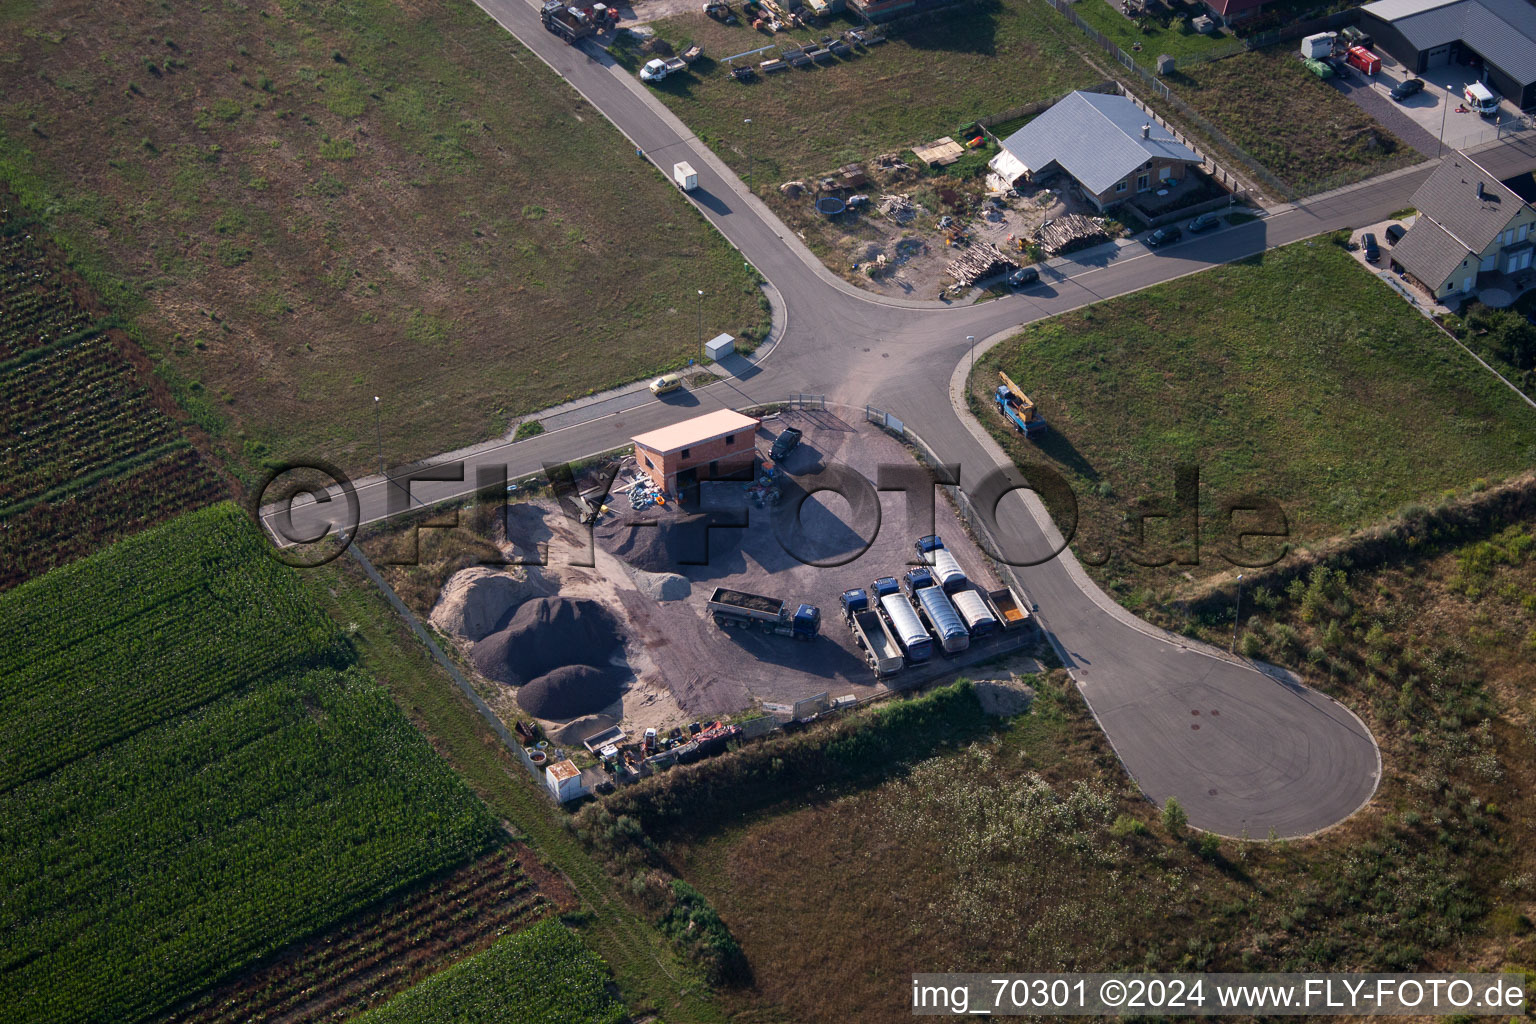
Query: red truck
x=1362 y=60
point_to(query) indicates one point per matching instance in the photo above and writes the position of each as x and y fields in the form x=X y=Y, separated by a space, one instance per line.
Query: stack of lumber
x=1072 y=231
x=980 y=261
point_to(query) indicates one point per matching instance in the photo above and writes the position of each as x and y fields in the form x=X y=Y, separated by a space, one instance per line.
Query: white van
x=1480 y=99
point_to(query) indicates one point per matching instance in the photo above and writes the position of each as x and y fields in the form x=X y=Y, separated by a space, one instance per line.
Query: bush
x=1125 y=825
x=1174 y=818
x=527 y=429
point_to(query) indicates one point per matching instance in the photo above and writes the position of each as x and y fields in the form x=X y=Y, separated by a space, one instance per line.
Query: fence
x=880 y=417
x=806 y=402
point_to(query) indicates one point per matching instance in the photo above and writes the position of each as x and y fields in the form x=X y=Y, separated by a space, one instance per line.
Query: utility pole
x=701 y=325
x=1445 y=104
x=748 y=122
x=378 y=428
x=1236 y=612
x=972 y=339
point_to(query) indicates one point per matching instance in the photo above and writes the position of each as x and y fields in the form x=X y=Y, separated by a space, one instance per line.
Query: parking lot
x=808 y=547
x=1437 y=111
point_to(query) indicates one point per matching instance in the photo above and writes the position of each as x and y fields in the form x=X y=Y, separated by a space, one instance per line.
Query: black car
x=1395 y=233
x=784 y=444
x=1164 y=235
x=1204 y=222
x=1402 y=90
x=1023 y=277
x=1372 y=250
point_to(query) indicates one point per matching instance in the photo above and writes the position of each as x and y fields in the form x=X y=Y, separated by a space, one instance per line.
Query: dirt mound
x=663 y=586
x=545 y=634
x=578 y=729
x=569 y=692
x=478 y=601
x=1003 y=697
x=666 y=544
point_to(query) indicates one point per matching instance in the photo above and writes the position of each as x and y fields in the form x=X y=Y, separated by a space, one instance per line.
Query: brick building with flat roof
x=716 y=445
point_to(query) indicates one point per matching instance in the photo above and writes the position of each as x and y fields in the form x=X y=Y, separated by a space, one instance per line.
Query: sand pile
x=663 y=586
x=671 y=542
x=569 y=691
x=544 y=634
x=480 y=600
x=1003 y=697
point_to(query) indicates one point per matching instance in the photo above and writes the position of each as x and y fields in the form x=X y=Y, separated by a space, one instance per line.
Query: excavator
x=1017 y=407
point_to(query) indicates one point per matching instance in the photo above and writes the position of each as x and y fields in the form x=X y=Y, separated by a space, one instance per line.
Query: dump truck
x=685 y=176
x=905 y=625
x=974 y=612
x=874 y=637
x=1010 y=608
x=568 y=23
x=1017 y=407
x=943 y=621
x=931 y=551
x=771 y=615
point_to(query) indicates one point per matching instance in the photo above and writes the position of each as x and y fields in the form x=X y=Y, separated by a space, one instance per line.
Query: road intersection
x=1245 y=752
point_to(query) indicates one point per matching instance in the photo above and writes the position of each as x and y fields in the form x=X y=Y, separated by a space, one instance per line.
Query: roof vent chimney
x=1480 y=194
x=1146 y=131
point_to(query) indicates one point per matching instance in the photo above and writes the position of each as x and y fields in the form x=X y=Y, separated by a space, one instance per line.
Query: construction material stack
x=874 y=637
x=1017 y=407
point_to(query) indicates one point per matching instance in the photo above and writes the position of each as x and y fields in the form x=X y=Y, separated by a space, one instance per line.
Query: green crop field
x=195 y=774
x=542 y=975
x=90 y=455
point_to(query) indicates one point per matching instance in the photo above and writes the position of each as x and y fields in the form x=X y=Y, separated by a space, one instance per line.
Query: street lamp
x=1236 y=612
x=971 y=338
x=1445 y=105
x=378 y=428
x=701 y=325
x=748 y=122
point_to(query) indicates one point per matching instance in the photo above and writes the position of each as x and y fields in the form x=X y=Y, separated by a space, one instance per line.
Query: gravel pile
x=476 y=602
x=671 y=542
x=545 y=634
x=663 y=586
x=569 y=692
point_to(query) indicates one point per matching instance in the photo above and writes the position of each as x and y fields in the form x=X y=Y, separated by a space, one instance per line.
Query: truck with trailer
x=1011 y=613
x=1017 y=407
x=771 y=615
x=944 y=622
x=874 y=637
x=569 y=23
x=974 y=612
x=905 y=625
x=932 y=552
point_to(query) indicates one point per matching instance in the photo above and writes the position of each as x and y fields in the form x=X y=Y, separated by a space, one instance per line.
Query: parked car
x=1204 y=222
x=1402 y=90
x=666 y=382
x=1164 y=235
x=1372 y=250
x=1023 y=277
x=1395 y=233
x=784 y=444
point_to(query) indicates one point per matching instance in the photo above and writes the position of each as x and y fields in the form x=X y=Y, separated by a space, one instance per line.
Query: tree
x=1174 y=818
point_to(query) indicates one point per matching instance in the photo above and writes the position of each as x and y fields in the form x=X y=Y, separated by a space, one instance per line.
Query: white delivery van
x=683 y=173
x=1481 y=99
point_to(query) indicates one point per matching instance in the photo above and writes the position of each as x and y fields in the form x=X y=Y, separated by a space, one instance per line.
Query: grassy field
x=928 y=81
x=1155 y=35
x=1295 y=375
x=196 y=773
x=543 y=975
x=1298 y=127
x=1030 y=850
x=93 y=453
x=302 y=206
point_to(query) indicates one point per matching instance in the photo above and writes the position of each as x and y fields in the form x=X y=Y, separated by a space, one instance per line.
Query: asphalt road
x=1245 y=753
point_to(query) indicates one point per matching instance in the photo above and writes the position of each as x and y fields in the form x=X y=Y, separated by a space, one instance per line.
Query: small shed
x=720 y=346
x=564 y=781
